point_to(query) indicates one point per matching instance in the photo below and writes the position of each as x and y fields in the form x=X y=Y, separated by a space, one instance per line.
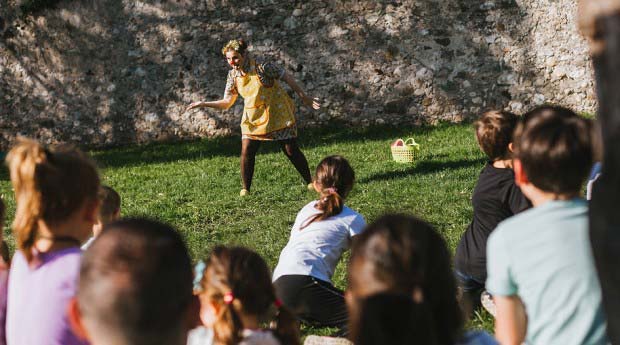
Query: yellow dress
x=268 y=111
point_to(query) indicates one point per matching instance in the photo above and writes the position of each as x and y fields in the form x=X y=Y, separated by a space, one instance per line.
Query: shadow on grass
x=231 y=146
x=423 y=168
x=153 y=153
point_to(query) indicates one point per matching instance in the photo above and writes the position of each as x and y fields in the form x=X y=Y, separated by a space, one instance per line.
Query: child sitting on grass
x=237 y=297
x=495 y=198
x=540 y=267
x=402 y=260
x=109 y=211
x=322 y=231
x=135 y=287
x=57 y=206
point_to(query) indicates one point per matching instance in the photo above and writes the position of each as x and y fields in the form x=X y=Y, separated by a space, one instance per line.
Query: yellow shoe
x=310 y=186
x=244 y=192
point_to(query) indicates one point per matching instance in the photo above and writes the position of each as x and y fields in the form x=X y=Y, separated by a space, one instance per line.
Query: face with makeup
x=234 y=59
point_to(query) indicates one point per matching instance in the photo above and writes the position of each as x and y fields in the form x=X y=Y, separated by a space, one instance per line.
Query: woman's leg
x=248 y=154
x=294 y=154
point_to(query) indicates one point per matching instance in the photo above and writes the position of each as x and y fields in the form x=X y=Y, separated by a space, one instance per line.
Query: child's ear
x=117 y=214
x=317 y=186
x=510 y=147
x=75 y=319
x=520 y=177
x=91 y=211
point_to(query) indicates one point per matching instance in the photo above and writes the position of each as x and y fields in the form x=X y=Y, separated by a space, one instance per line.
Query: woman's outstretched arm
x=308 y=101
x=223 y=103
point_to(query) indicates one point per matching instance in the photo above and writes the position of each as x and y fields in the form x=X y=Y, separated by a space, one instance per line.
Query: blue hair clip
x=199 y=270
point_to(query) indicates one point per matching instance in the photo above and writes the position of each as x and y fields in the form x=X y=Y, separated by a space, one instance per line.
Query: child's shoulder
x=258 y=337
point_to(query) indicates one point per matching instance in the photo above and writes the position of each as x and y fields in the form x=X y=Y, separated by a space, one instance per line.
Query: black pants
x=313 y=301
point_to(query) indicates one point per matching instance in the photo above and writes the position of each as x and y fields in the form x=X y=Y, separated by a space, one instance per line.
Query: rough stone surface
x=113 y=72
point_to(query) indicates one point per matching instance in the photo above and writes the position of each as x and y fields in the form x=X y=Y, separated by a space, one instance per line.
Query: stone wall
x=118 y=71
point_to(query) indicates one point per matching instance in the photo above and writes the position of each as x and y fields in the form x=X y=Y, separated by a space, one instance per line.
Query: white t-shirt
x=316 y=249
x=204 y=336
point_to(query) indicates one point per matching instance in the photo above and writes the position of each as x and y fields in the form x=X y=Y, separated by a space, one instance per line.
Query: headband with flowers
x=232 y=44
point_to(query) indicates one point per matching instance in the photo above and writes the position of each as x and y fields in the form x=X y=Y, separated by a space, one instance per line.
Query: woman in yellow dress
x=268 y=112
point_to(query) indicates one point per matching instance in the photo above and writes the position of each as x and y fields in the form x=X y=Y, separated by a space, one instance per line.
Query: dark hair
x=244 y=277
x=110 y=203
x=136 y=279
x=50 y=185
x=554 y=146
x=394 y=319
x=238 y=45
x=335 y=176
x=404 y=255
x=494 y=131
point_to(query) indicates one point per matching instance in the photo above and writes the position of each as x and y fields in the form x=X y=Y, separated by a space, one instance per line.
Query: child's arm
x=510 y=321
x=516 y=200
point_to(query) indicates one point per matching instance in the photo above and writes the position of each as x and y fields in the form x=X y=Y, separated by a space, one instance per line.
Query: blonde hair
x=237 y=45
x=49 y=185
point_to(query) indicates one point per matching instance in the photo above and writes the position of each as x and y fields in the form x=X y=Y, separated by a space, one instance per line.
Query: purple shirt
x=38 y=299
x=4 y=286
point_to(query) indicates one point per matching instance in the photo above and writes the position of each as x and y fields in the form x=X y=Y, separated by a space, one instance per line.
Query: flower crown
x=232 y=44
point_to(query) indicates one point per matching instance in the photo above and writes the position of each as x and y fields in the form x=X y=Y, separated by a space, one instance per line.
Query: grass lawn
x=195 y=185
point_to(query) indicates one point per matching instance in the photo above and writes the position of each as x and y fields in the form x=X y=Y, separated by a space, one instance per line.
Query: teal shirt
x=543 y=255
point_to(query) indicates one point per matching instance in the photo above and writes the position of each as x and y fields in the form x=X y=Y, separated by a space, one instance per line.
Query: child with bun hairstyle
x=322 y=232
x=57 y=205
x=237 y=297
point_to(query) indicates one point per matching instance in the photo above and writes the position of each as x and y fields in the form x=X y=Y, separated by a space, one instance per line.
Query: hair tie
x=229 y=297
x=277 y=303
x=331 y=190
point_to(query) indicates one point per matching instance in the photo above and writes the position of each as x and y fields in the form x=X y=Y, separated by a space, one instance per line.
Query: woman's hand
x=311 y=102
x=195 y=105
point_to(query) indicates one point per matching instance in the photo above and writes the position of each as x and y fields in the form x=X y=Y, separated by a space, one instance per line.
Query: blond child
x=57 y=206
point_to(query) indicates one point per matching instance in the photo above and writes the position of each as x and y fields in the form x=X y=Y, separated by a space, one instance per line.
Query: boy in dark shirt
x=495 y=198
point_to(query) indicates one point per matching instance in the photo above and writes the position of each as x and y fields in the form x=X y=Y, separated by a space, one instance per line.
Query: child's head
x=553 y=150
x=110 y=209
x=135 y=286
x=403 y=255
x=494 y=130
x=387 y=318
x=236 y=283
x=110 y=205
x=52 y=186
x=333 y=180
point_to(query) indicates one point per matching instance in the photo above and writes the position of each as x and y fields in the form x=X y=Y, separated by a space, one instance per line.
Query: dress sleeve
x=271 y=70
x=231 y=88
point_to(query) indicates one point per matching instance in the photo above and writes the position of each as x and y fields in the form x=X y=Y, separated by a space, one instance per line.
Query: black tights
x=249 y=148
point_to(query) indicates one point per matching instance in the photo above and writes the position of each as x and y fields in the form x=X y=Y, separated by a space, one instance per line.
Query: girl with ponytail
x=56 y=194
x=237 y=297
x=322 y=232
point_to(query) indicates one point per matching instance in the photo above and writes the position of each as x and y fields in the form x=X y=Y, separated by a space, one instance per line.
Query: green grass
x=195 y=185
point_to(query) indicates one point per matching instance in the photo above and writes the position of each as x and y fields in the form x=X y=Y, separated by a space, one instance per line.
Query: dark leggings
x=249 y=148
x=313 y=301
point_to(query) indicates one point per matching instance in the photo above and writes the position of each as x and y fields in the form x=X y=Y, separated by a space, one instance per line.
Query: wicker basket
x=405 y=152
